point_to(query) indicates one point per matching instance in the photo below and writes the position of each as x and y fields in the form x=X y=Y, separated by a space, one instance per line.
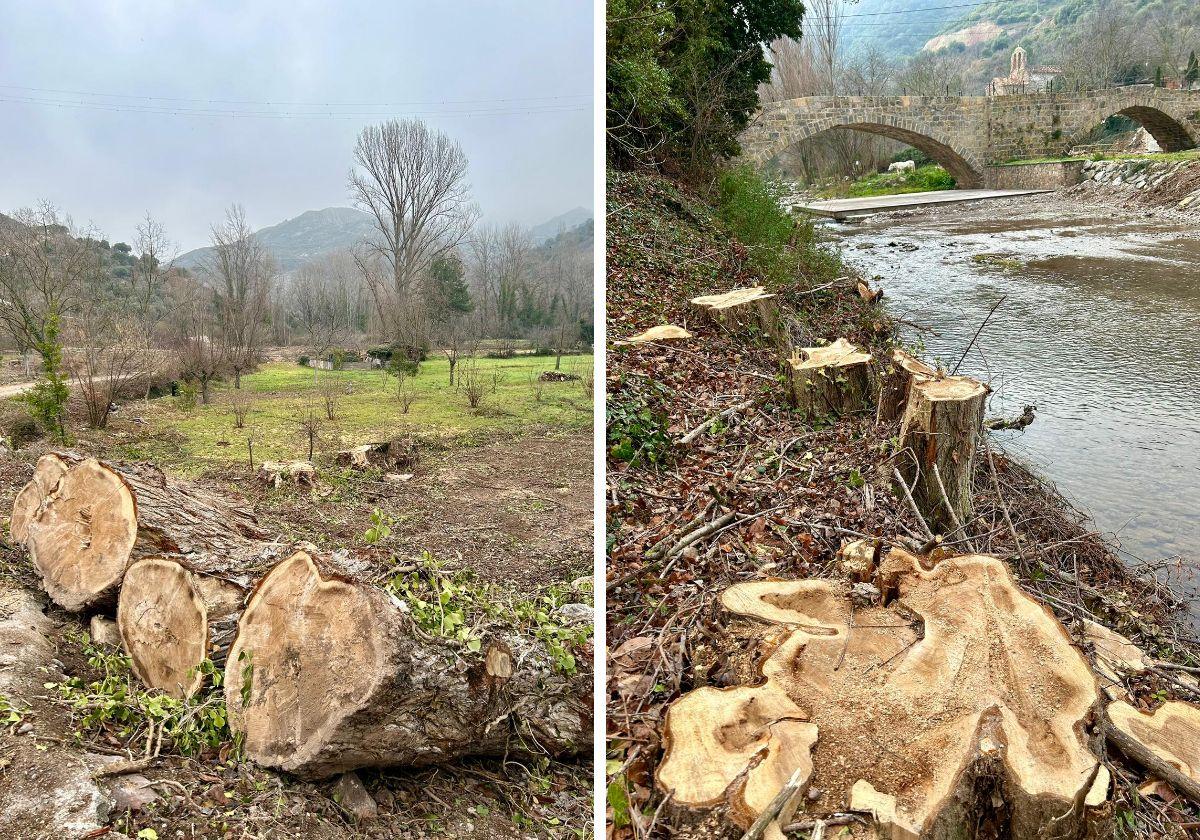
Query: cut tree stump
x=49 y=471
x=388 y=454
x=329 y=673
x=1167 y=743
x=744 y=310
x=895 y=382
x=831 y=380
x=961 y=701
x=173 y=615
x=278 y=473
x=938 y=438
x=104 y=515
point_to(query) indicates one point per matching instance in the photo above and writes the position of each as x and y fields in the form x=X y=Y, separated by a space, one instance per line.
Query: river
x=1099 y=328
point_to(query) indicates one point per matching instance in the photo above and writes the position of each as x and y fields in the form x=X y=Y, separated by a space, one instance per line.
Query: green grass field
x=923 y=179
x=367 y=409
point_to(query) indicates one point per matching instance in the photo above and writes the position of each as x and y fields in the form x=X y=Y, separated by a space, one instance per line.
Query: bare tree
x=823 y=27
x=44 y=266
x=197 y=339
x=242 y=272
x=147 y=277
x=1104 y=50
x=325 y=300
x=109 y=358
x=413 y=180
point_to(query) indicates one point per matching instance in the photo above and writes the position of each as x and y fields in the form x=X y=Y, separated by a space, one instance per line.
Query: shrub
x=401 y=366
x=188 y=392
x=749 y=207
x=23 y=429
x=302 y=361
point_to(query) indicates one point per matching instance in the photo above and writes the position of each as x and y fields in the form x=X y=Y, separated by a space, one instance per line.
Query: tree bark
x=328 y=673
x=938 y=438
x=752 y=309
x=896 y=382
x=831 y=380
x=103 y=515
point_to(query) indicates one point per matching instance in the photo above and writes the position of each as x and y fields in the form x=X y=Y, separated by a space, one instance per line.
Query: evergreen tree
x=1192 y=75
x=1158 y=77
x=448 y=290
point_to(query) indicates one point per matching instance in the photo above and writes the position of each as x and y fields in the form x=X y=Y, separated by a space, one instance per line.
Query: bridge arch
x=783 y=125
x=1170 y=132
x=967 y=174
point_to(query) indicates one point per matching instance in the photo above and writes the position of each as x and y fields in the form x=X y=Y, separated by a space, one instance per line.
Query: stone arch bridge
x=967 y=133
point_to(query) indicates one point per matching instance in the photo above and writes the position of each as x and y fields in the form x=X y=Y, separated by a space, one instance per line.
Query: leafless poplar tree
x=325 y=300
x=147 y=278
x=413 y=180
x=242 y=272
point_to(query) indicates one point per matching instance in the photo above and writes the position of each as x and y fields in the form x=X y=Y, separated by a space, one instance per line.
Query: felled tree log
x=327 y=674
x=49 y=471
x=752 y=309
x=173 y=615
x=1167 y=743
x=835 y=379
x=896 y=380
x=938 y=438
x=104 y=515
x=962 y=700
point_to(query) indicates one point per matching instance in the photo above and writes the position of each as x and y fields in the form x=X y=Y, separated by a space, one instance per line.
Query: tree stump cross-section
x=961 y=693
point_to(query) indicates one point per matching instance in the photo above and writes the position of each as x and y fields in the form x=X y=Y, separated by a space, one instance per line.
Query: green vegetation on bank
x=1148 y=157
x=280 y=399
x=922 y=179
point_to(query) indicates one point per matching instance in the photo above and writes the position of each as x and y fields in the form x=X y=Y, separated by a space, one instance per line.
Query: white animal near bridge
x=903 y=166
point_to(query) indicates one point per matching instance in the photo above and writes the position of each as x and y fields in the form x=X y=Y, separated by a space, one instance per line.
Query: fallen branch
x=710 y=422
x=1025 y=418
x=782 y=807
x=688 y=539
x=912 y=503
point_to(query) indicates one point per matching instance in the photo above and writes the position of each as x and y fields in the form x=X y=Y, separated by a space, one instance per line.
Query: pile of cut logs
x=924 y=693
x=324 y=671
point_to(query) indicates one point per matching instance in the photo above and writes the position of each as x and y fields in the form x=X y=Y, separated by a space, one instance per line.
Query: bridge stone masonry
x=966 y=134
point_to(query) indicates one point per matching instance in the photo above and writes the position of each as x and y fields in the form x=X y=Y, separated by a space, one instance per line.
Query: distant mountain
x=315 y=233
x=559 y=224
x=297 y=241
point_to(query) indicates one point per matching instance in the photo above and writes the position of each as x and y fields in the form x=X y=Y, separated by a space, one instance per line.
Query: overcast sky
x=106 y=152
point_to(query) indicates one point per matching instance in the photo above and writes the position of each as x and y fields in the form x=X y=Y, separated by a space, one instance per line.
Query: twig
x=912 y=503
x=782 y=807
x=695 y=535
x=975 y=337
x=699 y=430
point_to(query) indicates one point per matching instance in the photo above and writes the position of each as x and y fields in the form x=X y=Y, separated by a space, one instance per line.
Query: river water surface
x=1099 y=328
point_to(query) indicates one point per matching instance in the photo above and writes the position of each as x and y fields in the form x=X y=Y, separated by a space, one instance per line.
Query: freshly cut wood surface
x=663 y=332
x=938 y=439
x=171 y=618
x=750 y=309
x=1166 y=742
x=961 y=678
x=81 y=539
x=896 y=381
x=105 y=514
x=336 y=676
x=46 y=475
x=832 y=379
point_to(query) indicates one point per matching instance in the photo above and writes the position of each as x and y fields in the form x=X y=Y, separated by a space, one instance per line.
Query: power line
x=167 y=110
x=924 y=9
x=273 y=103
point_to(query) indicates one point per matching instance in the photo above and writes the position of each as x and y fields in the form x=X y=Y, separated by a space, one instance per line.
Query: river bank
x=761 y=494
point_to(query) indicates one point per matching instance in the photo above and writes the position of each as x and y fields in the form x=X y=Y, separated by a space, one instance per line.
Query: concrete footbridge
x=969 y=134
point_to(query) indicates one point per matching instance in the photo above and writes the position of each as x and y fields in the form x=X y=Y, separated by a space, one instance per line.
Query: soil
x=515 y=511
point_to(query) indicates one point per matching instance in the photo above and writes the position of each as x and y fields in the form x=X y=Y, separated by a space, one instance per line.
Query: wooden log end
x=47 y=473
x=82 y=538
x=163 y=622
